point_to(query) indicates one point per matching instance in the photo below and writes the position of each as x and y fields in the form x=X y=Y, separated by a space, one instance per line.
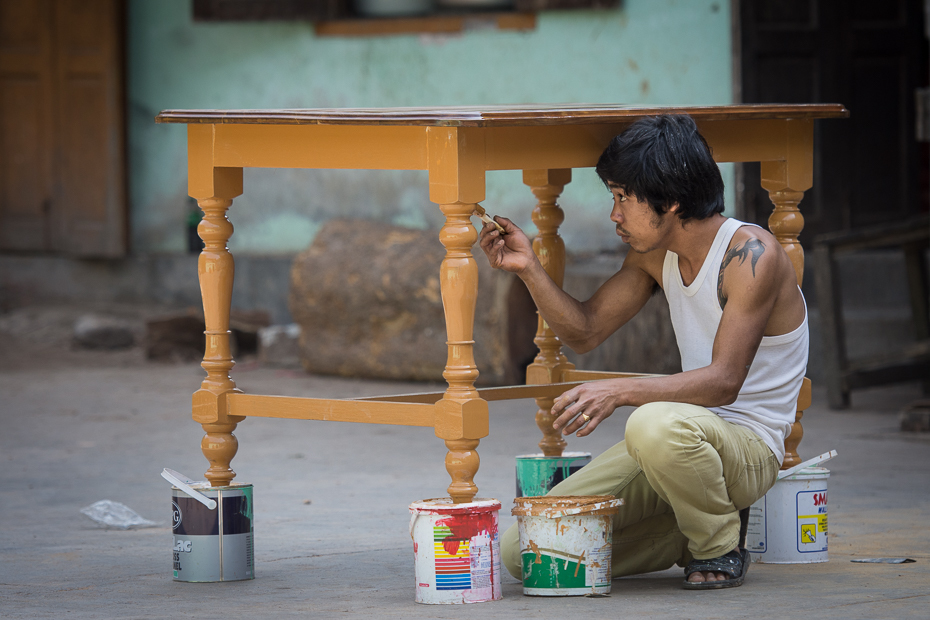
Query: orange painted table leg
x=456 y=176
x=550 y=363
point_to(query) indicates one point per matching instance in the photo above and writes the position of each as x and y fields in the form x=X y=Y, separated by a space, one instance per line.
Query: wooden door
x=870 y=56
x=62 y=162
x=25 y=124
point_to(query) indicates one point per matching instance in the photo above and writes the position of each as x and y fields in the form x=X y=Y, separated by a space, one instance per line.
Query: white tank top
x=767 y=402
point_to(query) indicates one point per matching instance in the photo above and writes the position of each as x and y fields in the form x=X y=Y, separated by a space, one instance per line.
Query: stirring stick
x=183 y=482
x=483 y=215
x=817 y=460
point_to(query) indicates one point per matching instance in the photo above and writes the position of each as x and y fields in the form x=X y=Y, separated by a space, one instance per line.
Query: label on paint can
x=756 y=533
x=482 y=549
x=598 y=568
x=788 y=525
x=812 y=521
x=213 y=545
x=464 y=564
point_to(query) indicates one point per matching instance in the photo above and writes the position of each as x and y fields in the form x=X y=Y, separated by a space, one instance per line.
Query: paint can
x=566 y=543
x=213 y=545
x=788 y=525
x=537 y=473
x=457 y=551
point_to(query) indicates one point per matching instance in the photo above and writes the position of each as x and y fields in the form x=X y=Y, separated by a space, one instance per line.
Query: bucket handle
x=817 y=460
x=182 y=482
x=413 y=521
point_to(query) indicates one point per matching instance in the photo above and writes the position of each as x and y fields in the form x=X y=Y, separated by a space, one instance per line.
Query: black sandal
x=735 y=563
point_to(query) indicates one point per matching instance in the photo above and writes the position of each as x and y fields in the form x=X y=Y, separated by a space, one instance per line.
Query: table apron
x=505 y=148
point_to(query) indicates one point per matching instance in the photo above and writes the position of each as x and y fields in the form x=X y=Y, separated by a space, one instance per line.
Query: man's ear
x=674 y=208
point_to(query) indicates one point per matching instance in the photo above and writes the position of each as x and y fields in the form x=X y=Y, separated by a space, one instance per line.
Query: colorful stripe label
x=453 y=560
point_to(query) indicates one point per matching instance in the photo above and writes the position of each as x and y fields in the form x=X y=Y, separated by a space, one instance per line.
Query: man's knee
x=649 y=428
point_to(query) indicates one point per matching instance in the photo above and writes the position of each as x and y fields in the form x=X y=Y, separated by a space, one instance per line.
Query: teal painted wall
x=647 y=52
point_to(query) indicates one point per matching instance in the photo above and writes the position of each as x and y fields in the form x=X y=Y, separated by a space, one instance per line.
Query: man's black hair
x=663 y=160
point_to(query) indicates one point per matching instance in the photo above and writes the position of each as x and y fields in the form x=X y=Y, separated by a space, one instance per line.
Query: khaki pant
x=684 y=473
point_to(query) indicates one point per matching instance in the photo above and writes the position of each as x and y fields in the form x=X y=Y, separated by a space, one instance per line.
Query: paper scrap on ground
x=884 y=560
x=115 y=515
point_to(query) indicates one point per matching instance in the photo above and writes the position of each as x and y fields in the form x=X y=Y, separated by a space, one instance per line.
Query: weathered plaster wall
x=648 y=52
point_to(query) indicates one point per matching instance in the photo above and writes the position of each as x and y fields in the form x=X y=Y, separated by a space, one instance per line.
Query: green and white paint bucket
x=212 y=526
x=537 y=473
x=566 y=543
x=788 y=525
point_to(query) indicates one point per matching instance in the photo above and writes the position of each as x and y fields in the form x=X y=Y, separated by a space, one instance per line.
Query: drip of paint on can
x=217 y=544
x=537 y=473
x=788 y=525
x=457 y=551
x=566 y=543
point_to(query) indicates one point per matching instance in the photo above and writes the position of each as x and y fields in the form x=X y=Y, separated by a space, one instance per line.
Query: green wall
x=647 y=52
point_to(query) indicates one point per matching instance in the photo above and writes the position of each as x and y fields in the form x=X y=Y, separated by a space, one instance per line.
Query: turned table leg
x=216 y=271
x=797 y=431
x=786 y=223
x=786 y=182
x=547 y=186
x=456 y=179
x=462 y=416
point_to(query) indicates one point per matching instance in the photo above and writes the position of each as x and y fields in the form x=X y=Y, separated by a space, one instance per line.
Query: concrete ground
x=331 y=537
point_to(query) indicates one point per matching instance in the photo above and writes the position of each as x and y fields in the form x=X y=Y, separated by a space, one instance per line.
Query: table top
x=499 y=116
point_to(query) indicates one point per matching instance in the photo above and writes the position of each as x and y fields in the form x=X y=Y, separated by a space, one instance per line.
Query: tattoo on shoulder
x=752 y=250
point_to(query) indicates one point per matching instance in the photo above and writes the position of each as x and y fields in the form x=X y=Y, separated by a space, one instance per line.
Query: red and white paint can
x=457 y=551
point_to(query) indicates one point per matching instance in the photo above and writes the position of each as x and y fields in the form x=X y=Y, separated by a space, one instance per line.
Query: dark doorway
x=870 y=56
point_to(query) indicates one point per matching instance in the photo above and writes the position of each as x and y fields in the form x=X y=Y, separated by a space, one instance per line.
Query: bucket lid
x=555 y=506
x=565 y=455
x=206 y=488
x=445 y=506
x=808 y=472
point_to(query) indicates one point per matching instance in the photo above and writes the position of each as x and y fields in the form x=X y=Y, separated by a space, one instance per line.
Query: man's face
x=637 y=223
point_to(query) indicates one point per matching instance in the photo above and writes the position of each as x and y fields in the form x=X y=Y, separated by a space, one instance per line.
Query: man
x=707 y=442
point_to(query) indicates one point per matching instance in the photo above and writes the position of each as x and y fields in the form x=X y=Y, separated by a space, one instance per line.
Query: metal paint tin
x=213 y=545
x=788 y=525
x=566 y=543
x=457 y=551
x=537 y=473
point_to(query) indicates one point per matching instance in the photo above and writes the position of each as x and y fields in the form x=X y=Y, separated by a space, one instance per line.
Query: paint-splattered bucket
x=213 y=545
x=457 y=551
x=789 y=524
x=565 y=543
x=537 y=473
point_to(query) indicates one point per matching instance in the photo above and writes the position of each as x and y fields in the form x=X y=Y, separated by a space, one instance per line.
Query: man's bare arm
x=751 y=291
x=580 y=325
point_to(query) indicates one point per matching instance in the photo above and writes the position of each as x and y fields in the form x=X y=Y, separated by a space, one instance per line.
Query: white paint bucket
x=457 y=551
x=566 y=543
x=788 y=525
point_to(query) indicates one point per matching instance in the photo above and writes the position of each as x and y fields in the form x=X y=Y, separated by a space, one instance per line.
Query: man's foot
x=699 y=577
x=727 y=571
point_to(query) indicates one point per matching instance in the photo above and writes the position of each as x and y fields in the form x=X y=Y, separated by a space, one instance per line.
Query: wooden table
x=457 y=146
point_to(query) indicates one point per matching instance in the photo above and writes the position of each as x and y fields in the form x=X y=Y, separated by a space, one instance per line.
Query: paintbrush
x=483 y=215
